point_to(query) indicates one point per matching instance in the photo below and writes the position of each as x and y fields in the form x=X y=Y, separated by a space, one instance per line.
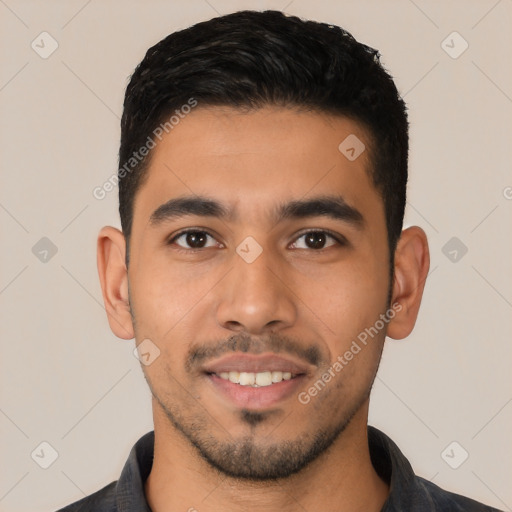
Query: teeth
x=234 y=377
x=264 y=379
x=277 y=376
x=247 y=379
x=259 y=379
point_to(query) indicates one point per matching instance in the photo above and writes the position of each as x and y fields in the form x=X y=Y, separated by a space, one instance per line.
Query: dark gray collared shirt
x=408 y=492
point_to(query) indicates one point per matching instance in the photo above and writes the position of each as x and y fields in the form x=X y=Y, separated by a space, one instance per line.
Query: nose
x=256 y=297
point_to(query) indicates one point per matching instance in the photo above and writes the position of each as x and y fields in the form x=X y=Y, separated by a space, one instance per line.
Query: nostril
x=233 y=325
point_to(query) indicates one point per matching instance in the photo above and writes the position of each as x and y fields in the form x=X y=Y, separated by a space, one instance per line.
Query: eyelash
x=339 y=239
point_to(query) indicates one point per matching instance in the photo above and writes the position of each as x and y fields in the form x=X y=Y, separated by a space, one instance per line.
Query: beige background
x=65 y=378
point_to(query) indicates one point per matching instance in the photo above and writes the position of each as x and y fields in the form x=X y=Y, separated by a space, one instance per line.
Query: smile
x=259 y=379
x=256 y=381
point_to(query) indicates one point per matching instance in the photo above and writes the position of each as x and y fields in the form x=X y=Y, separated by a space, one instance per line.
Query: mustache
x=242 y=342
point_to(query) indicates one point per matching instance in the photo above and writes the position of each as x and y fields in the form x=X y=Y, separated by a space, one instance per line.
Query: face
x=258 y=256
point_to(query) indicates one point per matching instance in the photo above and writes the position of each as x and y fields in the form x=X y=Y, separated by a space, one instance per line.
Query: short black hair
x=251 y=59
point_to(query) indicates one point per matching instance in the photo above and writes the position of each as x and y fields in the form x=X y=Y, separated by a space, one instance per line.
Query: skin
x=316 y=299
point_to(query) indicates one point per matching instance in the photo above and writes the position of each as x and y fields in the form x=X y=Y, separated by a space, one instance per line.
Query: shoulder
x=103 y=500
x=129 y=488
x=408 y=490
x=439 y=499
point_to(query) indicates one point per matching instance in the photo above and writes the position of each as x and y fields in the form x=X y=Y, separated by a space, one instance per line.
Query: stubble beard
x=251 y=459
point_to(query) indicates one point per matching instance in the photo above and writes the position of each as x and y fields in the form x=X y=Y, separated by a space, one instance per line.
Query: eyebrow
x=334 y=207
x=193 y=205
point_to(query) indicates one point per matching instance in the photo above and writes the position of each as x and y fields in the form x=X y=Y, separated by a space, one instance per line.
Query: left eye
x=194 y=240
x=315 y=240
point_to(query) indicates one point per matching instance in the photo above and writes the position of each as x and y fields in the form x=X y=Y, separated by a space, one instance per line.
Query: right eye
x=193 y=239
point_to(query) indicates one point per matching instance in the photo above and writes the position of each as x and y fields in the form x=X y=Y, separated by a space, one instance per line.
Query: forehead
x=251 y=160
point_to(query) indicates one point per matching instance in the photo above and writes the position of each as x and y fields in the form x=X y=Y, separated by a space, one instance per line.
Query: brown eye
x=193 y=240
x=315 y=240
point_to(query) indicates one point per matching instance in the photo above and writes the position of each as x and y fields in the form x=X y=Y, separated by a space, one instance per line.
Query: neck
x=181 y=480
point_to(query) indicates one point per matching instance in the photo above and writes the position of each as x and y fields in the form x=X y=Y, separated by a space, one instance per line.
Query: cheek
x=164 y=294
x=350 y=303
x=348 y=298
x=340 y=390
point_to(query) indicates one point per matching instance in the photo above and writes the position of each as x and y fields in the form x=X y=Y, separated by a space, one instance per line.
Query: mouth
x=255 y=382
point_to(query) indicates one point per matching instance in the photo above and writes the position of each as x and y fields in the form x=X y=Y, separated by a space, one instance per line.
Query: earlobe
x=412 y=261
x=113 y=276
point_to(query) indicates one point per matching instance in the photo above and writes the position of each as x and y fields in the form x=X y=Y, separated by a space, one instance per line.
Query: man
x=261 y=264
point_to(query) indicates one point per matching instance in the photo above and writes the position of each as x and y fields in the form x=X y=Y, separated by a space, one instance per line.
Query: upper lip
x=252 y=363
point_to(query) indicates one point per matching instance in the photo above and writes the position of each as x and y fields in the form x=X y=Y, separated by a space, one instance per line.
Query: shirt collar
x=130 y=495
x=394 y=468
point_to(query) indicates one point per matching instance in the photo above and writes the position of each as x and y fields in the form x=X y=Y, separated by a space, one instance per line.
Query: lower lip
x=263 y=397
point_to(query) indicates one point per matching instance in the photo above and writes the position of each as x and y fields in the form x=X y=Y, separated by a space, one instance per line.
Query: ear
x=412 y=261
x=114 y=281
